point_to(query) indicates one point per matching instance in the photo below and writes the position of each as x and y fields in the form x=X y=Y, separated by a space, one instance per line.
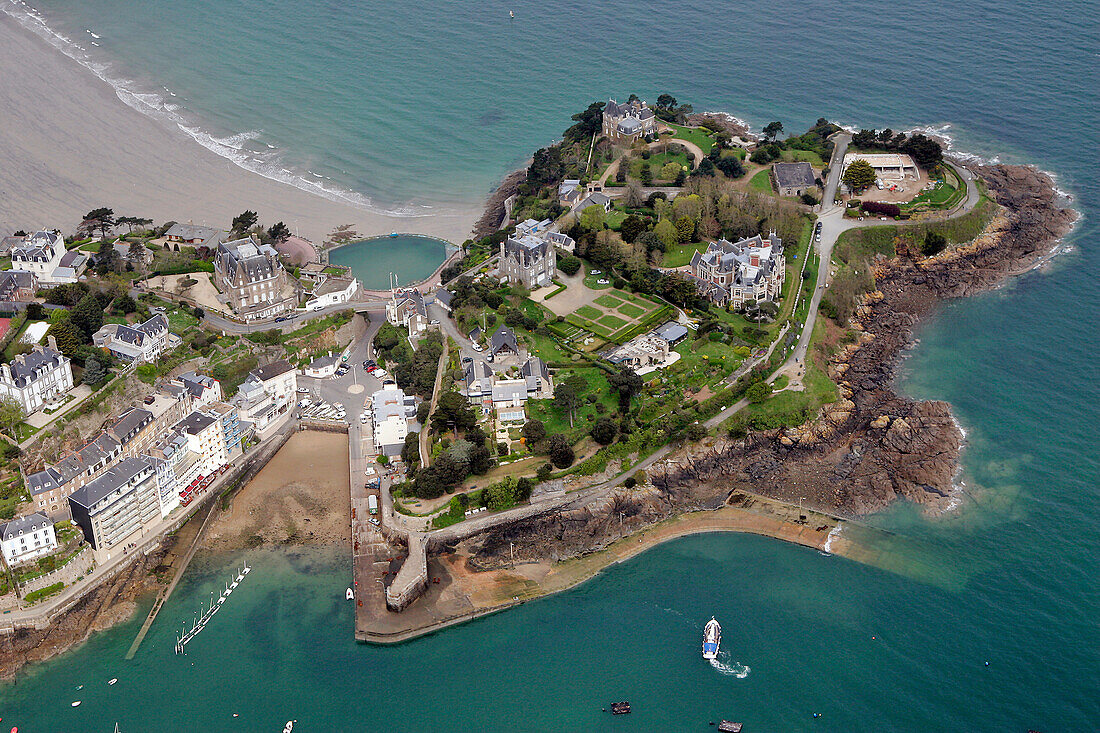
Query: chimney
x=51 y=341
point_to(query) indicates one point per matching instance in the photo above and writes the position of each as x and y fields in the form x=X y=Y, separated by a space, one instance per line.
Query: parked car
x=303 y=390
x=467 y=359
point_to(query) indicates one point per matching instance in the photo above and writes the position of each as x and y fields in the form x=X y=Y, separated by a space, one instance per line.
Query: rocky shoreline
x=865 y=451
x=113 y=602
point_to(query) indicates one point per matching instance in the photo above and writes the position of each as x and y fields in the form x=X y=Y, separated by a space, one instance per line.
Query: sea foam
x=230 y=147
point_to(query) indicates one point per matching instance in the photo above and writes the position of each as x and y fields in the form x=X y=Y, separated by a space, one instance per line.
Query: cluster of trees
x=104 y=221
x=554 y=446
x=814 y=140
x=413 y=369
x=467 y=455
x=668 y=109
x=926 y=152
x=248 y=222
x=708 y=208
x=715 y=162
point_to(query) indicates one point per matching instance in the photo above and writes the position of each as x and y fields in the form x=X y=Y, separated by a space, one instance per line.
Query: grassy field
x=803 y=156
x=698 y=135
x=556 y=420
x=589 y=312
x=762 y=182
x=681 y=254
x=615 y=314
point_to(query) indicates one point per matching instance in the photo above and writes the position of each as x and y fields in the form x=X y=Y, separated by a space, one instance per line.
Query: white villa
x=42 y=253
x=36 y=378
x=140 y=343
x=26 y=538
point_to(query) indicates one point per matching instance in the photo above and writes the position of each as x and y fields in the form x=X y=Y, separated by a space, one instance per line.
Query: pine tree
x=68 y=337
x=87 y=315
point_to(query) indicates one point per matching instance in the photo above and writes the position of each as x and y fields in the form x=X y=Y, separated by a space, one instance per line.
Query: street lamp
x=801 y=516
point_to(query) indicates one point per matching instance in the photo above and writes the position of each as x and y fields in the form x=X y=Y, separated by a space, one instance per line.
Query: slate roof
x=535 y=373
x=195 y=423
x=671 y=331
x=12 y=280
x=325 y=360
x=594 y=199
x=26 y=368
x=272 y=370
x=20 y=525
x=503 y=338
x=73 y=259
x=793 y=175
x=333 y=285
x=444 y=297
x=39 y=247
x=112 y=479
x=246 y=256
x=509 y=390
x=191 y=232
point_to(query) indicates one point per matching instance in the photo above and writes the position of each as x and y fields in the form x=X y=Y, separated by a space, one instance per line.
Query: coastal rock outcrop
x=872 y=446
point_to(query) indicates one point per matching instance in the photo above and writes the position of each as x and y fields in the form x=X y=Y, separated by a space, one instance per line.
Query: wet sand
x=68 y=144
x=302 y=496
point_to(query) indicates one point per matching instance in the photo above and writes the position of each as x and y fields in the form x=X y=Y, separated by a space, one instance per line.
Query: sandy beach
x=301 y=496
x=68 y=144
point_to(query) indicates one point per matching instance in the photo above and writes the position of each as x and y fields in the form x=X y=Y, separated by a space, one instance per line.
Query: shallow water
x=417 y=105
x=409 y=258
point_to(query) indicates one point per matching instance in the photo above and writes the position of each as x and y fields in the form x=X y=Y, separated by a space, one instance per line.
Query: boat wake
x=723 y=666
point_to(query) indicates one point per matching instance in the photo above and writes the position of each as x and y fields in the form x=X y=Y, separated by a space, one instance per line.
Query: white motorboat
x=712 y=638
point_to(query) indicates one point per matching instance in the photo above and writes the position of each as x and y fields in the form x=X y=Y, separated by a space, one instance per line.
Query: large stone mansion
x=736 y=272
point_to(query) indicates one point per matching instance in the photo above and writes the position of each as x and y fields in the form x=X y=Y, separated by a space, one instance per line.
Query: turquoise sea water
x=411 y=258
x=425 y=105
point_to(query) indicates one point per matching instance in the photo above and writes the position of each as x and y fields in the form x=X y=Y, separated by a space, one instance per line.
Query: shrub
x=880 y=207
x=569 y=265
x=933 y=244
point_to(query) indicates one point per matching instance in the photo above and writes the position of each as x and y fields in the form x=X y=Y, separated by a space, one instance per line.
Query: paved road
x=220 y=323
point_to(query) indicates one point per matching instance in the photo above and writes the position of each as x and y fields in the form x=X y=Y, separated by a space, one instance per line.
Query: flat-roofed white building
x=392 y=410
x=886 y=165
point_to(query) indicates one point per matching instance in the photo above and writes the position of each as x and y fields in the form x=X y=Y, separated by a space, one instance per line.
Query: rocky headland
x=865 y=451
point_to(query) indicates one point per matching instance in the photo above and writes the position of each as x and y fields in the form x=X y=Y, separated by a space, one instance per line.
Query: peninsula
x=663 y=325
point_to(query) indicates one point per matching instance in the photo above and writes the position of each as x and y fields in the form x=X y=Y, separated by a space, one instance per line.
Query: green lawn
x=557 y=421
x=591 y=281
x=762 y=182
x=698 y=135
x=180 y=320
x=681 y=254
x=803 y=156
x=614 y=219
x=608 y=301
x=631 y=311
x=589 y=312
x=612 y=322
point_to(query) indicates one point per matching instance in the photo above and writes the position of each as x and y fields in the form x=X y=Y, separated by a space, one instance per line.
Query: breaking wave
x=262 y=159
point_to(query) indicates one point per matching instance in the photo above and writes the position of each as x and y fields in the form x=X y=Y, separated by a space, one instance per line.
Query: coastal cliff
x=867 y=450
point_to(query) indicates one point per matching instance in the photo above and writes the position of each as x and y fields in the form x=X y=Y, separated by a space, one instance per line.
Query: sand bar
x=68 y=144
